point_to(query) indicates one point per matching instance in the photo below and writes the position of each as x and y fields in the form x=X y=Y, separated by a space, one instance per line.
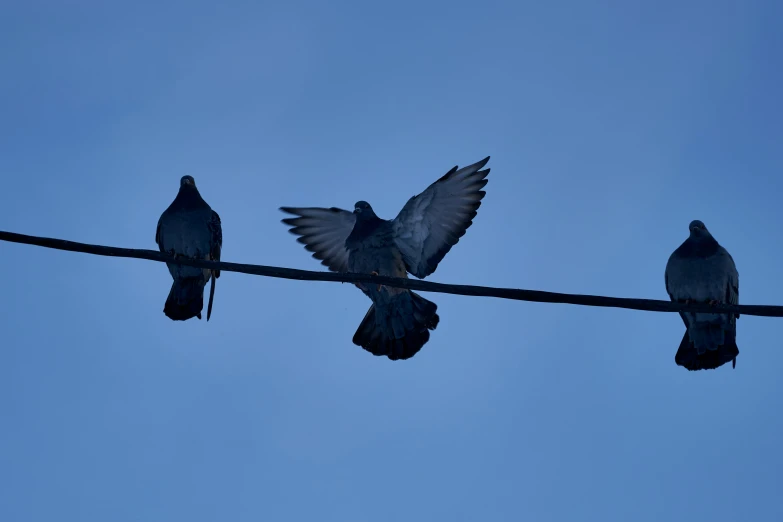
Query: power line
x=650 y=305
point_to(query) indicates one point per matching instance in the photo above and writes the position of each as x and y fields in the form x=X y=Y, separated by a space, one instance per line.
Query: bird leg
x=376 y=274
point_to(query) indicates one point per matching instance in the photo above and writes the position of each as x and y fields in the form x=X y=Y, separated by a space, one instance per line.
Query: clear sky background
x=611 y=126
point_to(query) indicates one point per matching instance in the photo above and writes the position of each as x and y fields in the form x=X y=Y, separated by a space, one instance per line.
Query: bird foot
x=376 y=274
x=712 y=302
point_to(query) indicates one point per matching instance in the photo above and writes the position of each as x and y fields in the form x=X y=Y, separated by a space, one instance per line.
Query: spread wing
x=323 y=231
x=432 y=222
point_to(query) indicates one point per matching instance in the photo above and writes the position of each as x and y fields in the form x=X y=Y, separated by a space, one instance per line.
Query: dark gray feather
x=323 y=232
x=432 y=222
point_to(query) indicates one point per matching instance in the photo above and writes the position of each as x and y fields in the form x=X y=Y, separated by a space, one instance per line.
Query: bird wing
x=432 y=222
x=157 y=235
x=160 y=232
x=216 y=245
x=323 y=231
x=732 y=286
x=669 y=291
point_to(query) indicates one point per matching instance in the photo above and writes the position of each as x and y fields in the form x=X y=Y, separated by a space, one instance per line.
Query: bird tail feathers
x=186 y=299
x=211 y=294
x=706 y=336
x=715 y=356
x=397 y=329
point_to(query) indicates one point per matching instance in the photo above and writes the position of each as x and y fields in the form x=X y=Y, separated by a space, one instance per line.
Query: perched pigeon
x=189 y=228
x=702 y=271
x=398 y=322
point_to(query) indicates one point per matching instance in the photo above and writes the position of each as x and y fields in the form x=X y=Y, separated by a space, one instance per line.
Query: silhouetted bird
x=189 y=228
x=399 y=321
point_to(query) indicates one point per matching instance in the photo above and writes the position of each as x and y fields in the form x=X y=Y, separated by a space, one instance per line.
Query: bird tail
x=211 y=294
x=706 y=336
x=397 y=329
x=186 y=299
x=708 y=356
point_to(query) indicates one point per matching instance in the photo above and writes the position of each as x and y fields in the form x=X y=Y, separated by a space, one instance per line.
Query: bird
x=700 y=270
x=398 y=323
x=189 y=228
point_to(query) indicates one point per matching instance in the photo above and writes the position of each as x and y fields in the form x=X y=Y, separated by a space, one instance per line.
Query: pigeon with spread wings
x=189 y=228
x=399 y=321
x=702 y=271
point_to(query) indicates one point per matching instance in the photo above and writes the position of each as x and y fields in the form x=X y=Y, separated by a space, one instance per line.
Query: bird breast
x=696 y=279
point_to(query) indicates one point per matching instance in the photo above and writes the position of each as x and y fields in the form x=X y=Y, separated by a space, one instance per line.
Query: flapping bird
x=399 y=321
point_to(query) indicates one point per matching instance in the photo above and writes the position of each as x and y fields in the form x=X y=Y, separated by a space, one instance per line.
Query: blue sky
x=610 y=125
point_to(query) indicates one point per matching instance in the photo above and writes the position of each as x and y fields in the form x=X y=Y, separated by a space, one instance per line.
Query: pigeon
x=399 y=321
x=702 y=271
x=189 y=228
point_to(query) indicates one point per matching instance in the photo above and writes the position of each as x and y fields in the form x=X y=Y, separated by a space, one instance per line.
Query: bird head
x=698 y=230
x=187 y=181
x=363 y=210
